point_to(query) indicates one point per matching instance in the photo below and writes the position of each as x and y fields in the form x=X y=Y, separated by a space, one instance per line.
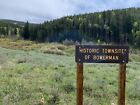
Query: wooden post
x=122 y=78
x=79 y=84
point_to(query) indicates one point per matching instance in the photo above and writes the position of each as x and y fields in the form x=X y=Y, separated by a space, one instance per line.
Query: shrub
x=52 y=50
x=68 y=42
x=61 y=47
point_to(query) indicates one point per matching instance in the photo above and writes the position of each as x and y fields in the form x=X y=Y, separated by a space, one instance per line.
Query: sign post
x=101 y=54
x=79 y=84
x=122 y=78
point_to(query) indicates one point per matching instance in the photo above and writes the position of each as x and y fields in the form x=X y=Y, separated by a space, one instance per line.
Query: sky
x=38 y=11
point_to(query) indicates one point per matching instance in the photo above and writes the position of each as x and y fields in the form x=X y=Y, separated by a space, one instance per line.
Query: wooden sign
x=101 y=54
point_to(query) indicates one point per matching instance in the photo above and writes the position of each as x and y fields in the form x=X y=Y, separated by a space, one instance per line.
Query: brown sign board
x=101 y=54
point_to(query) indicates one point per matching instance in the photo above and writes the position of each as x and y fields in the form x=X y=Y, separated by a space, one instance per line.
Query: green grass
x=36 y=78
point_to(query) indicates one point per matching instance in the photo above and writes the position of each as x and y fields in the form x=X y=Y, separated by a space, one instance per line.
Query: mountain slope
x=6 y=21
x=113 y=26
x=120 y=26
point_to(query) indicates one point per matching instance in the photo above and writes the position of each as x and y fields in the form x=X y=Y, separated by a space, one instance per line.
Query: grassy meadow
x=45 y=74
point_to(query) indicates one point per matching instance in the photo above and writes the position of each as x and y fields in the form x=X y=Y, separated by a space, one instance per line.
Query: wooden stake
x=79 y=84
x=122 y=79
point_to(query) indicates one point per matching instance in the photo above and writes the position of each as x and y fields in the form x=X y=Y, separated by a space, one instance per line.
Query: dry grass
x=49 y=48
x=19 y=44
x=54 y=49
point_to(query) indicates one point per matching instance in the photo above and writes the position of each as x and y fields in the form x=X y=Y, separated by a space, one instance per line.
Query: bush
x=61 y=47
x=68 y=42
x=52 y=50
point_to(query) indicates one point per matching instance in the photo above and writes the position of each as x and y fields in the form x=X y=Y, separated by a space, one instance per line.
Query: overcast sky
x=43 y=10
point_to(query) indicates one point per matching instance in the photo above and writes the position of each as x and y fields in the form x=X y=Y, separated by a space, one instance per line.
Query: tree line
x=120 y=26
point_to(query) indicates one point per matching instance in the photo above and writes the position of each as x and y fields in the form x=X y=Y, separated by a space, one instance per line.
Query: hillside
x=110 y=27
x=6 y=21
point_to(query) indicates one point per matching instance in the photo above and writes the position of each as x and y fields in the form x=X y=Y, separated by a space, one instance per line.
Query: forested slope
x=112 y=26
